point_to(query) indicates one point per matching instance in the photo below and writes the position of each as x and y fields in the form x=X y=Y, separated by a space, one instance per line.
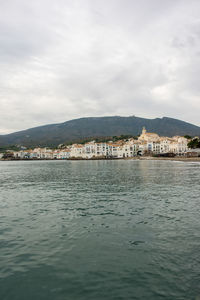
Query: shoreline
x=178 y=158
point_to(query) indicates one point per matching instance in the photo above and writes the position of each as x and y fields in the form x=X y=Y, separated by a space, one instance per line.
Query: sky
x=67 y=59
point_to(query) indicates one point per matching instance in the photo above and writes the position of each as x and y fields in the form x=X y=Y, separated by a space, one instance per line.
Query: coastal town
x=147 y=144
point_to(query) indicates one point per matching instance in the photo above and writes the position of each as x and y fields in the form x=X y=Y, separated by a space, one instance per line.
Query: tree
x=195 y=143
x=188 y=137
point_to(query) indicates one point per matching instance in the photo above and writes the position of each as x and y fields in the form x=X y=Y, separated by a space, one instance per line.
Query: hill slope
x=94 y=127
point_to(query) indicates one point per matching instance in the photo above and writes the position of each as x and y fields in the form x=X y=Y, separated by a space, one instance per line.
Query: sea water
x=122 y=229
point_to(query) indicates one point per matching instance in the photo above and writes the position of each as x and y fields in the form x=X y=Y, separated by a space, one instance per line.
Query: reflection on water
x=99 y=230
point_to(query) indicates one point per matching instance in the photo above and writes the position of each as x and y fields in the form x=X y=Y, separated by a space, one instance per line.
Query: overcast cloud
x=67 y=59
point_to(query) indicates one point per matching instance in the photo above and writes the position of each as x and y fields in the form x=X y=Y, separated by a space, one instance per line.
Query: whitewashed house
x=153 y=147
x=89 y=150
x=178 y=145
x=101 y=150
x=164 y=145
x=64 y=154
x=77 y=151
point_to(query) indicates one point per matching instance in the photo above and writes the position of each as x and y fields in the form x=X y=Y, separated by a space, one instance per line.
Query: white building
x=77 y=151
x=153 y=147
x=89 y=150
x=164 y=145
x=178 y=145
x=103 y=150
x=63 y=154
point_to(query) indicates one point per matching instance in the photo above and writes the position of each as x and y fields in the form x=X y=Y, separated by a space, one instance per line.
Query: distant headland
x=87 y=129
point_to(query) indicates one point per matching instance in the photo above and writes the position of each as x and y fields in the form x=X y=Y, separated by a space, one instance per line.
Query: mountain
x=78 y=129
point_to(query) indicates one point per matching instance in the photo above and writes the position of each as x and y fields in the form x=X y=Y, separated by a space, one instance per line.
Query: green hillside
x=75 y=130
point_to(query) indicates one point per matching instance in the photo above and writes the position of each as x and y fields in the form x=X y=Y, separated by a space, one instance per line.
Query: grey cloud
x=65 y=59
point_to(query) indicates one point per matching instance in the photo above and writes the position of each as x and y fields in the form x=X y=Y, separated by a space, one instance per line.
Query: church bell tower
x=144 y=130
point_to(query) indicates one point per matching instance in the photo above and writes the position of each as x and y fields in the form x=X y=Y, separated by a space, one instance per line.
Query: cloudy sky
x=67 y=59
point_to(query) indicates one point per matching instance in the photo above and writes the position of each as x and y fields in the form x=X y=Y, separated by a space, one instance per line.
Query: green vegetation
x=100 y=129
x=188 y=137
x=194 y=143
x=124 y=137
x=3 y=149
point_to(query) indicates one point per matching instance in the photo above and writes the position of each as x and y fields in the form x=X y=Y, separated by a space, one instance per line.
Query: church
x=148 y=136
